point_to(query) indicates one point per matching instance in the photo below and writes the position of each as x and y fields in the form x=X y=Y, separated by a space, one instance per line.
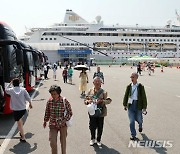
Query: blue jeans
x=134 y=115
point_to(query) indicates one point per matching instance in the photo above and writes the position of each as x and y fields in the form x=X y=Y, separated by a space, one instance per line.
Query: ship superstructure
x=70 y=40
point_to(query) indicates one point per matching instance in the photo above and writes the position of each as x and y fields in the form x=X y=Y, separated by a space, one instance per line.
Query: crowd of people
x=141 y=67
x=58 y=109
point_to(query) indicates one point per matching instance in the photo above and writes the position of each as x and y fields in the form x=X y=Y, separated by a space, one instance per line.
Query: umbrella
x=81 y=67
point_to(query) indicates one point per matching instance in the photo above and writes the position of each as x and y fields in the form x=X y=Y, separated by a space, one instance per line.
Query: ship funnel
x=72 y=17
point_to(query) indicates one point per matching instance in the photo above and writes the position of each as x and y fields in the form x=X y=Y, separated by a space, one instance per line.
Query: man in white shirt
x=19 y=96
x=136 y=103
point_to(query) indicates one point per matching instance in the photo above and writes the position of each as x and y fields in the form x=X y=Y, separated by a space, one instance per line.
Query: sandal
x=22 y=140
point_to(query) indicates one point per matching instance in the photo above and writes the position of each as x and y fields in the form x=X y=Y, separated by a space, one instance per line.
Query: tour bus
x=11 y=63
x=17 y=60
x=33 y=64
x=29 y=67
x=39 y=60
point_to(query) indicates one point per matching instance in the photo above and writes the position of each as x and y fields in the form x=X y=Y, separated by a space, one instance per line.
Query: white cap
x=91 y=109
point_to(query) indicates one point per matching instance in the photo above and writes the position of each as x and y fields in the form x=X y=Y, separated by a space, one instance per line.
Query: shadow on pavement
x=82 y=96
x=104 y=150
x=6 y=123
x=156 y=147
x=23 y=148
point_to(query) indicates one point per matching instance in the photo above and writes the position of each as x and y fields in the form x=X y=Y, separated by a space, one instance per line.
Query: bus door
x=37 y=65
x=29 y=70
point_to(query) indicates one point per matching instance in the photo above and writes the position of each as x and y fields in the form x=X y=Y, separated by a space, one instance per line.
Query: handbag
x=69 y=122
x=98 y=108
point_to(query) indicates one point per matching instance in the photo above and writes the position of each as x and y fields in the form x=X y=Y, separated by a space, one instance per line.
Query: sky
x=23 y=14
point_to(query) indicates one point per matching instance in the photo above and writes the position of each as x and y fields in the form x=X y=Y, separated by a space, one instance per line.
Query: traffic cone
x=162 y=69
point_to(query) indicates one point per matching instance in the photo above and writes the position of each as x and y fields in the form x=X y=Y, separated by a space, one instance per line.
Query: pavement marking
x=13 y=129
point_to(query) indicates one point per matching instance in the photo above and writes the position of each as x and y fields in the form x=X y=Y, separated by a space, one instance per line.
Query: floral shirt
x=54 y=112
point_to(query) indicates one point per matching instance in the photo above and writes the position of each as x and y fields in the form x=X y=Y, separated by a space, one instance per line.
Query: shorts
x=19 y=114
x=54 y=72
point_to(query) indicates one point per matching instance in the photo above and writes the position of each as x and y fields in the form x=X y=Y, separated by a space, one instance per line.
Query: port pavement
x=160 y=124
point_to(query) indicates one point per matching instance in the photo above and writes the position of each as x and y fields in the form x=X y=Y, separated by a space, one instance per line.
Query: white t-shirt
x=19 y=96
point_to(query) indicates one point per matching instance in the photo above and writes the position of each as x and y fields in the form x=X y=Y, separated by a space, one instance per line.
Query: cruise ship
x=75 y=39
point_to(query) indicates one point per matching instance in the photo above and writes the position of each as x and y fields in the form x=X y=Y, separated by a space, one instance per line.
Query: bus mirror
x=19 y=56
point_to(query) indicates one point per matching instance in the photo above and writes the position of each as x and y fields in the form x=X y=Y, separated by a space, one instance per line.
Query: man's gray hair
x=135 y=74
x=97 y=78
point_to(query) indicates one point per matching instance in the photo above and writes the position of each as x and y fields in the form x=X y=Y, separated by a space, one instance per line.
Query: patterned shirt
x=99 y=74
x=54 y=112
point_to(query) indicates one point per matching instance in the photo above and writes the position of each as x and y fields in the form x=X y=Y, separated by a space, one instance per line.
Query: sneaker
x=133 y=138
x=140 y=130
x=99 y=144
x=92 y=142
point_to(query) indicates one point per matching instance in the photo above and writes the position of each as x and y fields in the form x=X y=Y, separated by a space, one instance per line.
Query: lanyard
x=133 y=91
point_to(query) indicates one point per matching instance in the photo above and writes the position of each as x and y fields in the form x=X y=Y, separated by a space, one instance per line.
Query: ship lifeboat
x=154 y=46
x=169 y=46
x=120 y=46
x=102 y=45
x=136 y=46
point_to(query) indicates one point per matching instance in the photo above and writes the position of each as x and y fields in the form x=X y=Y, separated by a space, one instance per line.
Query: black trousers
x=45 y=74
x=65 y=79
x=96 y=123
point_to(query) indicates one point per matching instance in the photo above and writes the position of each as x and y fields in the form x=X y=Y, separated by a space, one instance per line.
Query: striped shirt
x=99 y=74
x=54 y=112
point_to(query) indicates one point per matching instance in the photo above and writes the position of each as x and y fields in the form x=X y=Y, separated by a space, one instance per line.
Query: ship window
x=171 y=40
x=134 y=39
x=157 y=40
x=132 y=34
x=168 y=40
x=122 y=39
x=141 y=40
x=149 y=39
x=46 y=38
x=145 y=39
x=54 y=38
x=50 y=38
x=160 y=39
x=126 y=39
x=129 y=39
x=137 y=39
x=41 y=38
